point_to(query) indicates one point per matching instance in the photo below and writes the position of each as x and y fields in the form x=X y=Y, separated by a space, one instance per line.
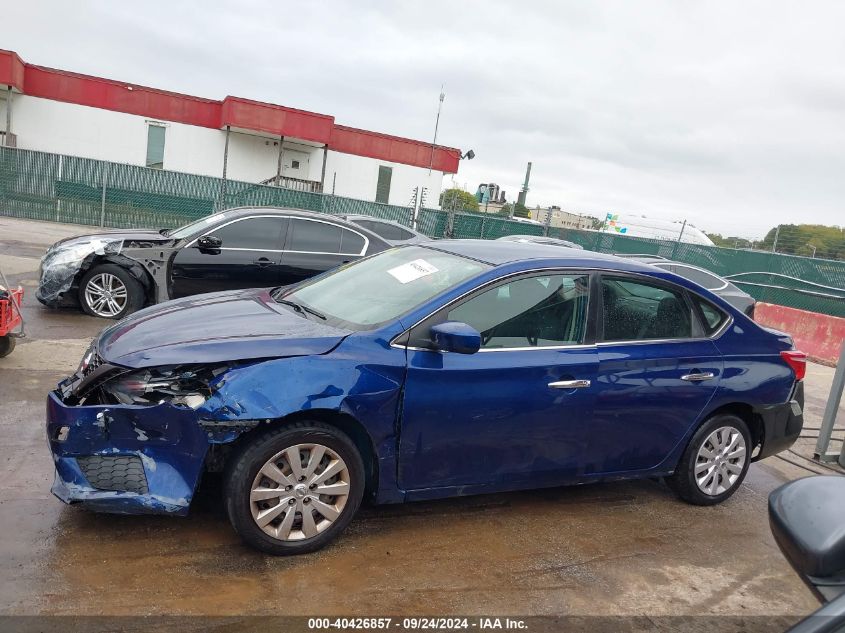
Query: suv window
x=541 y=311
x=638 y=310
x=259 y=233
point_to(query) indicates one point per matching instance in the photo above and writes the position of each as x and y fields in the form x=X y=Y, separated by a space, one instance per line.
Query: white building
x=654 y=228
x=67 y=113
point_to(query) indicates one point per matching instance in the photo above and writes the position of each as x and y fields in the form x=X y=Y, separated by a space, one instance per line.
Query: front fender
x=341 y=381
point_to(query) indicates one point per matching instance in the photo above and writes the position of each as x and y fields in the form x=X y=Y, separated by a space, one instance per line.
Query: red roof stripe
x=237 y=112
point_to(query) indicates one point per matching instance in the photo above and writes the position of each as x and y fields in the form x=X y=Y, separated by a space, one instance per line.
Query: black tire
x=135 y=298
x=243 y=468
x=7 y=344
x=683 y=481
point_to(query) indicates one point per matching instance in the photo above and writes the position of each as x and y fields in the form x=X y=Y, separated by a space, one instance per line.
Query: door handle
x=262 y=262
x=699 y=377
x=570 y=384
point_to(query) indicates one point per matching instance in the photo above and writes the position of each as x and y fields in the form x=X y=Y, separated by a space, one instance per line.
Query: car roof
x=498 y=252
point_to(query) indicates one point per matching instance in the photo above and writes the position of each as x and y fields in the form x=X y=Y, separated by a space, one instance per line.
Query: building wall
x=66 y=128
x=357 y=177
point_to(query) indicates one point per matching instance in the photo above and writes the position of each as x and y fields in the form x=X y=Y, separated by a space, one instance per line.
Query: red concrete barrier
x=819 y=335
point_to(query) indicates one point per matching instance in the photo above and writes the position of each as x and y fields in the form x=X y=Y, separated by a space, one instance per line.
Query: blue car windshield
x=379 y=289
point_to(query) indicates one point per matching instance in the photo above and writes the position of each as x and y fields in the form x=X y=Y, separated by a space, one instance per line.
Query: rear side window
x=314 y=237
x=256 y=233
x=351 y=243
x=544 y=311
x=637 y=310
x=712 y=316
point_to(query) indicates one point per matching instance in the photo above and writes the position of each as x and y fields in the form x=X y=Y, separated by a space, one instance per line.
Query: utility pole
x=681 y=234
x=436 y=125
x=775 y=243
x=520 y=199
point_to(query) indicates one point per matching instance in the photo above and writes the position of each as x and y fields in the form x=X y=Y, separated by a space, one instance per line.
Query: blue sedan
x=426 y=371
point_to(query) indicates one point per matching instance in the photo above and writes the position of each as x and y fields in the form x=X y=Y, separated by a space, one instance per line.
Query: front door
x=518 y=411
x=657 y=372
x=249 y=257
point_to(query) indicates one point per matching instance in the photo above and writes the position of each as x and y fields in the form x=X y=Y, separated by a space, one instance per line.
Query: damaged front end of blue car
x=135 y=441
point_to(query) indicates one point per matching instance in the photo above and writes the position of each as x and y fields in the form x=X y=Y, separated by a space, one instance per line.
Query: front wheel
x=295 y=488
x=714 y=463
x=110 y=292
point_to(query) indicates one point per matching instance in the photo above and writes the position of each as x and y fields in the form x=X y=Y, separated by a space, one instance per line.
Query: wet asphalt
x=624 y=548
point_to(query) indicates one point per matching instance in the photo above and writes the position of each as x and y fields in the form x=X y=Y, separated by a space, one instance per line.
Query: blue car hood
x=217 y=327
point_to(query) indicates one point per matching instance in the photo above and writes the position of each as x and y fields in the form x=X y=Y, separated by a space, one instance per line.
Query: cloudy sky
x=728 y=114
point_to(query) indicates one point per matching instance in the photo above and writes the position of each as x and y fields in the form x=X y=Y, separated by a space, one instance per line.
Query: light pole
x=814 y=250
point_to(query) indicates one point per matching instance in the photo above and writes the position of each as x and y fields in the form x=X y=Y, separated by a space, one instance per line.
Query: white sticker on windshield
x=412 y=270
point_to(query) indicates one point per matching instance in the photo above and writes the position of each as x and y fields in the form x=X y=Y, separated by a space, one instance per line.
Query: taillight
x=797 y=361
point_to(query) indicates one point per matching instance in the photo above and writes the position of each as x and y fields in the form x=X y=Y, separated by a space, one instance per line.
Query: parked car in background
x=114 y=273
x=390 y=231
x=715 y=284
x=539 y=239
x=432 y=370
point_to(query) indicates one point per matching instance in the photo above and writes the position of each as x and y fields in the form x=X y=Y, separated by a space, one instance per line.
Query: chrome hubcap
x=720 y=461
x=299 y=492
x=106 y=295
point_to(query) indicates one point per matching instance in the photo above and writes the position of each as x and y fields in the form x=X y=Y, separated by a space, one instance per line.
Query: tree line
x=808 y=240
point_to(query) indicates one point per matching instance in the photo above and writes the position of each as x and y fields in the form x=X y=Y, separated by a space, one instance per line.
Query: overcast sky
x=728 y=114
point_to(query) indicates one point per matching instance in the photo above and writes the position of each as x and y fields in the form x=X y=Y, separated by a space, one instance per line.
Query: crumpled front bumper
x=164 y=445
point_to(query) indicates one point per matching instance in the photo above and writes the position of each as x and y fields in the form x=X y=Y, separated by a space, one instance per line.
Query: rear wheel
x=295 y=488
x=715 y=462
x=110 y=292
x=7 y=344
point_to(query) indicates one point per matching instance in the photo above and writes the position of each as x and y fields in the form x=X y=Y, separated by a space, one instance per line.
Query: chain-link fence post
x=103 y=198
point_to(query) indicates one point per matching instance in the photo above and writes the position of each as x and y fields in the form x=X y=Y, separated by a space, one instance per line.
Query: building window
x=294 y=164
x=383 y=185
x=155 y=145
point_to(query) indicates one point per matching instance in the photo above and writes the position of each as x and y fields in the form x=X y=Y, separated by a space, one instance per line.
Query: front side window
x=155 y=145
x=379 y=289
x=543 y=311
x=638 y=310
x=253 y=233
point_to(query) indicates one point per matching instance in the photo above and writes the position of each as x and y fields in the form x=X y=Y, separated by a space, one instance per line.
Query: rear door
x=658 y=369
x=315 y=246
x=249 y=257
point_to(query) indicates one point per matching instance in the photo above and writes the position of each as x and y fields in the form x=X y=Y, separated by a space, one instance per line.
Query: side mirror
x=454 y=336
x=807 y=519
x=209 y=243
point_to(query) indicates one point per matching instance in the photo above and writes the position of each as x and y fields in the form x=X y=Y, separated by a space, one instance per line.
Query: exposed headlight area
x=100 y=383
x=180 y=386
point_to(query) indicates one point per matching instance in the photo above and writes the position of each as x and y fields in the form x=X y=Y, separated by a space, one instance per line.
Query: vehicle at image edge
x=540 y=239
x=740 y=299
x=426 y=371
x=115 y=273
x=390 y=231
x=807 y=518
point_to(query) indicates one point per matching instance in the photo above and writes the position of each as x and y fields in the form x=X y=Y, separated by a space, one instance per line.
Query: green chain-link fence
x=45 y=186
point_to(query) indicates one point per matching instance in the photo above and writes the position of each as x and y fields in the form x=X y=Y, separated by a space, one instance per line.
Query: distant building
x=560 y=219
x=65 y=112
